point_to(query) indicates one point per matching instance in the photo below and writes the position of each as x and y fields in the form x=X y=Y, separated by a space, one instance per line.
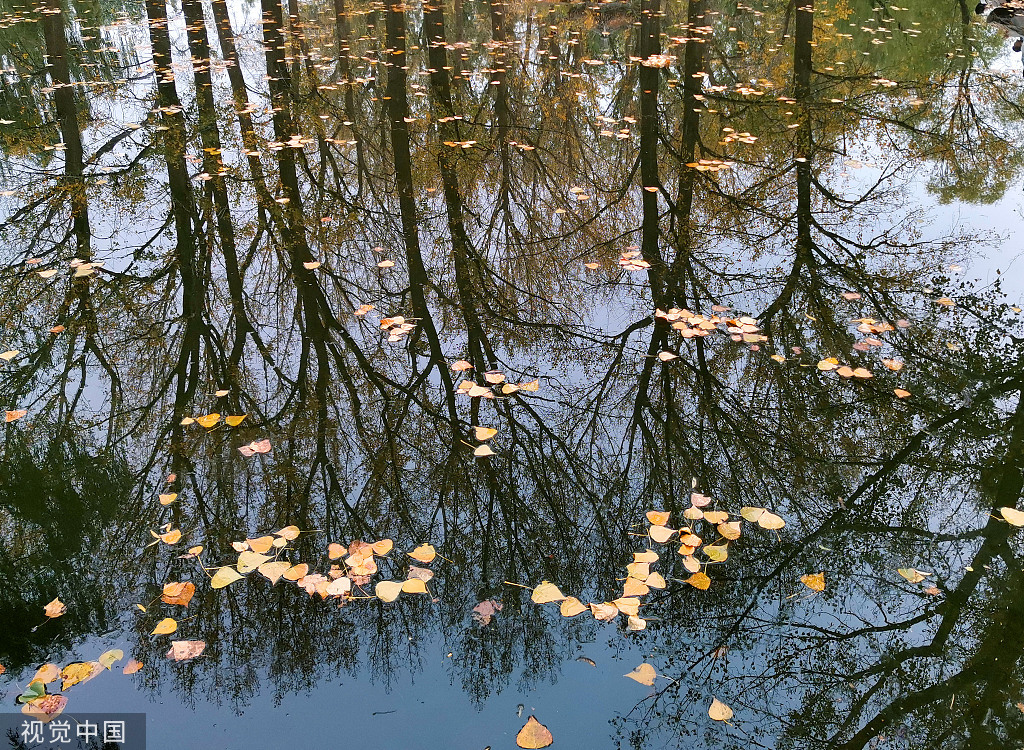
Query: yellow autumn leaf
x=223 y=577
x=484 y=433
x=165 y=627
x=425 y=553
x=208 y=420
x=107 y=658
x=699 y=580
x=414 y=586
x=248 y=561
x=813 y=581
x=234 y=421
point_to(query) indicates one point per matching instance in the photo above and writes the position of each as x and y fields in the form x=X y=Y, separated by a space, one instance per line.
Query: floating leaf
x=422 y=573
x=248 y=561
x=699 y=580
x=605 y=612
x=234 y=421
x=382 y=547
x=81 y=671
x=813 y=581
x=571 y=606
x=132 y=666
x=288 y=532
x=274 y=570
x=296 y=572
x=534 y=735
x=185 y=650
x=107 y=658
x=1012 y=516
x=256 y=446
x=658 y=517
x=661 y=534
x=635 y=623
x=484 y=433
x=34 y=691
x=168 y=498
x=9 y=355
x=261 y=544
x=546 y=592
x=414 y=586
x=47 y=673
x=425 y=553
x=178 y=593
x=55 y=608
x=45 y=708
x=224 y=576
x=655 y=581
x=208 y=420
x=913 y=575
x=483 y=451
x=171 y=536
x=165 y=627
x=717 y=553
x=627 y=605
x=11 y=416
x=644 y=674
x=635 y=587
x=719 y=711
x=388 y=591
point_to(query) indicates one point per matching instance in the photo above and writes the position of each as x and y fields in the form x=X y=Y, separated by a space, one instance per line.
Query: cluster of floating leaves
x=640 y=579
x=691 y=325
x=37 y=700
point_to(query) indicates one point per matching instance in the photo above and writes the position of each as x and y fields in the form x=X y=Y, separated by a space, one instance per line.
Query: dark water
x=760 y=253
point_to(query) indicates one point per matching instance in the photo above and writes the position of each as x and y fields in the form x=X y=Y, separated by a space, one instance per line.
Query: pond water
x=333 y=334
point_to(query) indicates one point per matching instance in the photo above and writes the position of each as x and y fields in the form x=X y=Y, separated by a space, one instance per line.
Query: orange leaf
x=178 y=593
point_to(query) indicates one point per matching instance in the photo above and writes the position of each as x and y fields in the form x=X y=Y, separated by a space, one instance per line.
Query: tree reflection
x=445 y=167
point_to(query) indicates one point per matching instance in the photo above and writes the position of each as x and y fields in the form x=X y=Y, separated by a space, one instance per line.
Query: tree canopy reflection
x=243 y=178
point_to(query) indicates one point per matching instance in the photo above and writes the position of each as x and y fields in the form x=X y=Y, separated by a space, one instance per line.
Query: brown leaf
x=55 y=608
x=133 y=666
x=185 y=650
